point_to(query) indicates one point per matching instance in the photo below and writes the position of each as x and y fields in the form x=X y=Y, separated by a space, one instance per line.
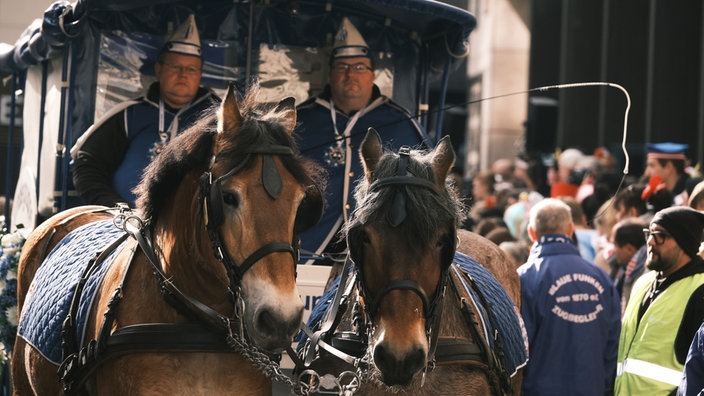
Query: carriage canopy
x=79 y=59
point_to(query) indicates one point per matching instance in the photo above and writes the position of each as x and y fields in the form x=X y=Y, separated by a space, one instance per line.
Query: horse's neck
x=194 y=271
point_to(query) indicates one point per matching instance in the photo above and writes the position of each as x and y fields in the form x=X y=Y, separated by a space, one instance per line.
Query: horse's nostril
x=266 y=322
x=398 y=370
x=271 y=323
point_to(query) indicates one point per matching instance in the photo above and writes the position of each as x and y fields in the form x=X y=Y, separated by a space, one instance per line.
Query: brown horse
x=404 y=320
x=201 y=295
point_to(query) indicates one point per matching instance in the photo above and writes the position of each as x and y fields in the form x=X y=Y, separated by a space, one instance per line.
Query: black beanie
x=684 y=224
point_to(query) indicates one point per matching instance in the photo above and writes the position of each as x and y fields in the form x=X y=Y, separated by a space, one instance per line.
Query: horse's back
x=492 y=258
x=43 y=238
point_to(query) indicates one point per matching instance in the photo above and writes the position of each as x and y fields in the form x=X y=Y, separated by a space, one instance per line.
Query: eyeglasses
x=356 y=68
x=178 y=69
x=658 y=236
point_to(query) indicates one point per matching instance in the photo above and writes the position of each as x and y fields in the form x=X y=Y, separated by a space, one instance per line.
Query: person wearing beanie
x=639 y=201
x=666 y=306
x=333 y=124
x=109 y=157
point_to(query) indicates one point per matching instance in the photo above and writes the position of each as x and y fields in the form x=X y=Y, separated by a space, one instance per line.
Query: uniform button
x=347 y=206
x=351 y=174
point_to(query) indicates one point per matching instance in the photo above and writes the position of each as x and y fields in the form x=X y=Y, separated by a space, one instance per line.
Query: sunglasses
x=658 y=236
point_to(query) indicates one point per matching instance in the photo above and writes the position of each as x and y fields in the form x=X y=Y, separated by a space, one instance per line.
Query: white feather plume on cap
x=185 y=40
x=349 y=43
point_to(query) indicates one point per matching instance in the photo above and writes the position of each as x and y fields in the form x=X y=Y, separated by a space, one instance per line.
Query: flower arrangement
x=10 y=245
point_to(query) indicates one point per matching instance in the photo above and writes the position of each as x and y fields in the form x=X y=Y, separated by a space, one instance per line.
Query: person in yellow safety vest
x=666 y=306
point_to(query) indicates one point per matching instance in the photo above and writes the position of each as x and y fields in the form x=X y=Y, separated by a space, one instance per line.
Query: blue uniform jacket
x=693 y=378
x=572 y=316
x=316 y=135
x=111 y=155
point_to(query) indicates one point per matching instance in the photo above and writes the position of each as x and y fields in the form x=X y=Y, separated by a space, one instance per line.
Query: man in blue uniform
x=571 y=311
x=332 y=125
x=668 y=162
x=108 y=159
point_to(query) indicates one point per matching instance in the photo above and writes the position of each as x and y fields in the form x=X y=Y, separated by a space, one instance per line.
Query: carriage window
x=303 y=72
x=126 y=66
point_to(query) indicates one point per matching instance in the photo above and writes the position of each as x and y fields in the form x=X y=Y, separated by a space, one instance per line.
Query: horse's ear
x=370 y=151
x=229 y=116
x=288 y=107
x=443 y=159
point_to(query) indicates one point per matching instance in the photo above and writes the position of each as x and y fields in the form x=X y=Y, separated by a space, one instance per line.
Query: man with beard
x=666 y=306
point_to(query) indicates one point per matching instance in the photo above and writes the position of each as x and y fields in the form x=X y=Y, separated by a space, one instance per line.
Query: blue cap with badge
x=667 y=150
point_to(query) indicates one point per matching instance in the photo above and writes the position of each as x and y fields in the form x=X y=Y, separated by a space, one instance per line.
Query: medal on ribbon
x=335 y=155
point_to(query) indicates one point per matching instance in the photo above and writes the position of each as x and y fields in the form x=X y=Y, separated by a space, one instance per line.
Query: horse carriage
x=197 y=287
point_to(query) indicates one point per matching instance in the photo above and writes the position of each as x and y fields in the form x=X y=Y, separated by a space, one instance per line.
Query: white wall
x=500 y=52
x=17 y=15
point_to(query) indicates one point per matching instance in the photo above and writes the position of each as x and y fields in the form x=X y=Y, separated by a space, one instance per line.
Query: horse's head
x=402 y=238
x=243 y=195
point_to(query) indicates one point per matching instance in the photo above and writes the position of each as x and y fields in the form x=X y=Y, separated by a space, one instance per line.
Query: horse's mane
x=201 y=144
x=427 y=211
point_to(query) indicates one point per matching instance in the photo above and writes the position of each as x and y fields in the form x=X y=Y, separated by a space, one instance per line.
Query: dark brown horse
x=410 y=320
x=201 y=296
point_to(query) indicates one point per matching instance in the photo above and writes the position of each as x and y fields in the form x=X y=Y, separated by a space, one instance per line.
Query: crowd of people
x=610 y=264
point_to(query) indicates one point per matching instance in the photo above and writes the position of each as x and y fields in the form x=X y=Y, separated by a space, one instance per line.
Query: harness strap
x=331 y=317
x=210 y=317
x=166 y=337
x=453 y=350
x=161 y=337
x=68 y=331
x=499 y=378
x=401 y=284
x=320 y=342
x=262 y=252
x=77 y=366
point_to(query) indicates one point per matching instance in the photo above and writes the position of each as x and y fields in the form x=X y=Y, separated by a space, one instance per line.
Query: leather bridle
x=211 y=199
x=396 y=216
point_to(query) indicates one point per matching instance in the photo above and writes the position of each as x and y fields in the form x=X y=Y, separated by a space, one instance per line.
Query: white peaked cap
x=185 y=40
x=349 y=43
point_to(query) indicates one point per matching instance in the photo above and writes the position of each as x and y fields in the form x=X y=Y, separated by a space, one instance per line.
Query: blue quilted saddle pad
x=49 y=297
x=500 y=313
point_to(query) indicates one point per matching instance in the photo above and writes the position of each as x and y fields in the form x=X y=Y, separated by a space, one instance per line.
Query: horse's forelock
x=430 y=211
x=264 y=124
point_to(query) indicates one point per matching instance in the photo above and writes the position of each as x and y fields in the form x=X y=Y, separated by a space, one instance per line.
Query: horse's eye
x=443 y=242
x=230 y=199
x=365 y=238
